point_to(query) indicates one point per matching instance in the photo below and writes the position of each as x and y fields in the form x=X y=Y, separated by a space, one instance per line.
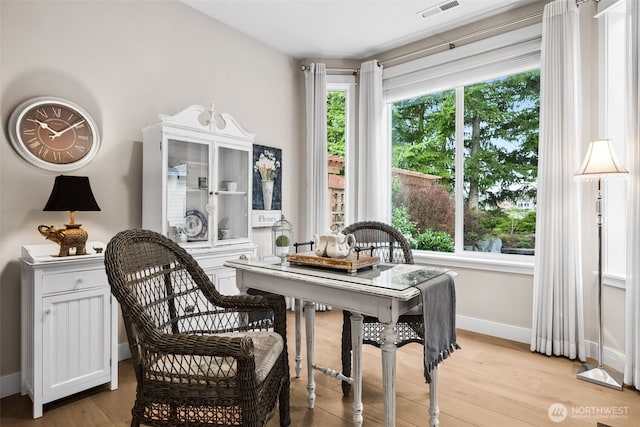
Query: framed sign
x=263 y=218
x=267 y=185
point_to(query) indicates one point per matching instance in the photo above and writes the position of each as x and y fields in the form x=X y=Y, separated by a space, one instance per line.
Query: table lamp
x=69 y=193
x=600 y=163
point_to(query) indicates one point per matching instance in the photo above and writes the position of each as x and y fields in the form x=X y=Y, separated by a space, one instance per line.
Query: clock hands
x=57 y=134
x=44 y=125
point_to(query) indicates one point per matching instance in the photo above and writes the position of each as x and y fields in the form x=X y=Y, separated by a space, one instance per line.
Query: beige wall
x=126 y=62
x=501 y=298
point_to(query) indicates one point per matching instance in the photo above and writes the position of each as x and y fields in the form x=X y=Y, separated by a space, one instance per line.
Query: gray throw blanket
x=439 y=310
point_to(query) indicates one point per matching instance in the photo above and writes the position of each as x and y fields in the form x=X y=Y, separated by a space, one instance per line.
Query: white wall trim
x=503 y=263
x=123 y=351
x=494 y=329
x=612 y=358
x=9 y=384
x=613 y=280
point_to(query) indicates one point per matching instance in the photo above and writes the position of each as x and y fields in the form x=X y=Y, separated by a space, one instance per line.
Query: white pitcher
x=334 y=245
x=321 y=245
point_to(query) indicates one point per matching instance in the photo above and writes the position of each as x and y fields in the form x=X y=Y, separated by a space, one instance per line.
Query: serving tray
x=351 y=263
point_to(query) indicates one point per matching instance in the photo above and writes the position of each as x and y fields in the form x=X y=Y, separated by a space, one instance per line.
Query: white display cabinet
x=197 y=186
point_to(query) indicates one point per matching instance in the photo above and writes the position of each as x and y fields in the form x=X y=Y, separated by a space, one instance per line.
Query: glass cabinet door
x=188 y=203
x=232 y=195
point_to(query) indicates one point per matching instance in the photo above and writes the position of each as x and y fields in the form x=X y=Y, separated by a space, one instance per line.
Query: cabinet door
x=188 y=198
x=225 y=281
x=76 y=341
x=233 y=195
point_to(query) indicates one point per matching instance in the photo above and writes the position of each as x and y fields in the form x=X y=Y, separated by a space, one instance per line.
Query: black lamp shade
x=71 y=193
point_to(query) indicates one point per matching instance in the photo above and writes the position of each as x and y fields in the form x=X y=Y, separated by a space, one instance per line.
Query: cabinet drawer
x=73 y=280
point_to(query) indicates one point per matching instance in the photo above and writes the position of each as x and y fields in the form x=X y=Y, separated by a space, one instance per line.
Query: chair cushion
x=176 y=368
x=267 y=348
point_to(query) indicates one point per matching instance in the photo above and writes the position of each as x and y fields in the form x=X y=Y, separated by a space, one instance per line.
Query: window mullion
x=459 y=184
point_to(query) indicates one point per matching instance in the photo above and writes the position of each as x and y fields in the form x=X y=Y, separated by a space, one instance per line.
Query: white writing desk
x=385 y=292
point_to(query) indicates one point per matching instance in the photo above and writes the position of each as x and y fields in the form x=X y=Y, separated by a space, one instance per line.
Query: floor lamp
x=600 y=163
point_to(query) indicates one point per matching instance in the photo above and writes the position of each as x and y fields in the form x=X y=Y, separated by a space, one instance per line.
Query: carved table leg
x=310 y=315
x=298 y=311
x=389 y=349
x=356 y=341
x=434 y=411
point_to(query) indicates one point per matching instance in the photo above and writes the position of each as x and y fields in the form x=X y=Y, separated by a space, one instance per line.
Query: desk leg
x=389 y=349
x=434 y=411
x=356 y=346
x=310 y=315
x=298 y=311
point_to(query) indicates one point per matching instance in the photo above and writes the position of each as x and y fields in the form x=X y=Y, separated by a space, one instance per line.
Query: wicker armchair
x=390 y=246
x=200 y=358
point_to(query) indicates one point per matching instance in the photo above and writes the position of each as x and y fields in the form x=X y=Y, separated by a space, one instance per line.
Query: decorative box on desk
x=69 y=324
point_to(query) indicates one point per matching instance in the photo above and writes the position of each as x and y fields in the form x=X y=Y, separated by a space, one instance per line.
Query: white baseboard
x=612 y=358
x=124 y=352
x=9 y=384
x=495 y=329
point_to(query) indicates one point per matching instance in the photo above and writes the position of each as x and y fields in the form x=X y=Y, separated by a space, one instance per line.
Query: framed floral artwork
x=267 y=185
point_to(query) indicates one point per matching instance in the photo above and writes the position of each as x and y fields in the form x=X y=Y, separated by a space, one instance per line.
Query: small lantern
x=282 y=237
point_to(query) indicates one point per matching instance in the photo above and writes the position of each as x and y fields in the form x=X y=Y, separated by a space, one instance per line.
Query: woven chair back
x=387 y=242
x=160 y=286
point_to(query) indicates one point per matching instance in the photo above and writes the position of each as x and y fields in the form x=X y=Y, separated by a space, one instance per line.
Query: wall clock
x=53 y=133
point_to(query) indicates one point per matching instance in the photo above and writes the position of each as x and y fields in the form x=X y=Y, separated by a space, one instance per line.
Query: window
x=336 y=144
x=464 y=134
x=613 y=114
x=483 y=135
x=340 y=133
x=423 y=170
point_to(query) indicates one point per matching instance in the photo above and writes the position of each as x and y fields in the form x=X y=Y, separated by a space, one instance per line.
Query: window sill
x=614 y=280
x=520 y=264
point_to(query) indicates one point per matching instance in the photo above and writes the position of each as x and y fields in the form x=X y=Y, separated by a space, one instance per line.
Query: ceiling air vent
x=442 y=7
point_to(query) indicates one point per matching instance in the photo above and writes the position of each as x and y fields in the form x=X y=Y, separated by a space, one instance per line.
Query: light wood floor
x=490 y=382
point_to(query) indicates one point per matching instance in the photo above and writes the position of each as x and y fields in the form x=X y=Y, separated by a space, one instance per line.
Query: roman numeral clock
x=53 y=133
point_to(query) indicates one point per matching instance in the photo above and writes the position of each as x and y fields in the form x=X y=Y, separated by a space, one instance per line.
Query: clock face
x=53 y=133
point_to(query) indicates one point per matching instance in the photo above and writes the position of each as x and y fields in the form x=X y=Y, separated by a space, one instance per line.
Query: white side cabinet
x=69 y=324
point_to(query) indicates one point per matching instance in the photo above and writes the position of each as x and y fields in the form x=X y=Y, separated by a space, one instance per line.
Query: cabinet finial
x=212 y=122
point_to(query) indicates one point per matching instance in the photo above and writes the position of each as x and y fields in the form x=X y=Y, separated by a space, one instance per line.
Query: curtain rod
x=452 y=43
x=339 y=70
x=354 y=71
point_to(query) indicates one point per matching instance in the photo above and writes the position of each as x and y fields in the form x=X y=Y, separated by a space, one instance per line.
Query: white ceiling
x=352 y=29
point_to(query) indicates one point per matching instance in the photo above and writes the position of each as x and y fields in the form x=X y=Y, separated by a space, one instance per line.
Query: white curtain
x=558 y=313
x=317 y=180
x=632 y=334
x=373 y=151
